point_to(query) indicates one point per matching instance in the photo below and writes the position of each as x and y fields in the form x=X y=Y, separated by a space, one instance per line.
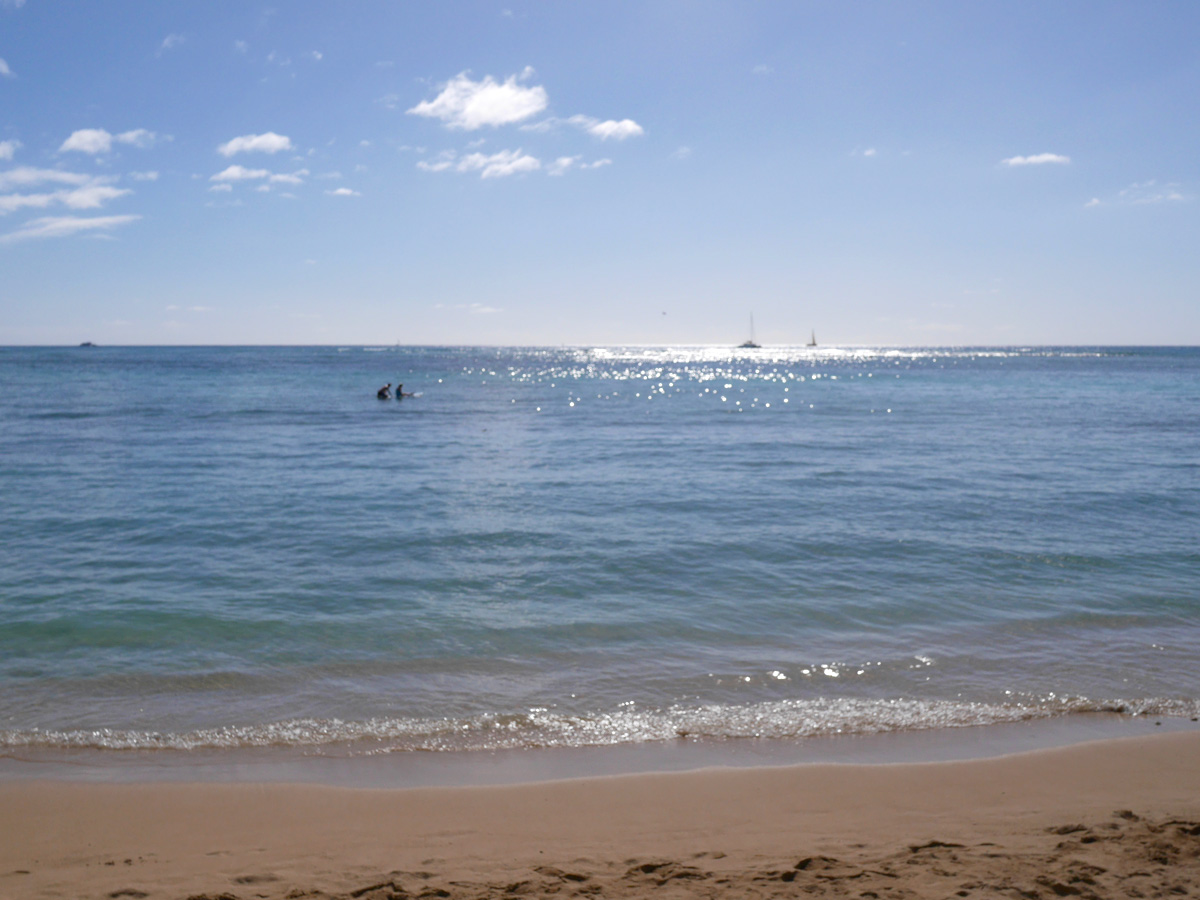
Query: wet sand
x=1117 y=818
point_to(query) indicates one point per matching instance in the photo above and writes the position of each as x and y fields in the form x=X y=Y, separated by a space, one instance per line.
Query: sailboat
x=813 y=341
x=750 y=344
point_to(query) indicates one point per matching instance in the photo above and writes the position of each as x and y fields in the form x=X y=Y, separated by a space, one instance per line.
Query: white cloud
x=468 y=105
x=12 y=202
x=762 y=70
x=495 y=165
x=91 y=196
x=343 y=192
x=565 y=163
x=870 y=151
x=441 y=162
x=498 y=165
x=1095 y=201
x=27 y=176
x=64 y=226
x=139 y=137
x=144 y=176
x=241 y=47
x=170 y=42
x=682 y=153
x=97 y=140
x=8 y=148
x=270 y=142
x=604 y=130
x=5 y=71
x=562 y=164
x=316 y=55
x=86 y=192
x=240 y=173
x=470 y=307
x=543 y=126
x=1039 y=159
x=1148 y=192
x=88 y=140
x=626 y=128
x=222 y=187
x=296 y=177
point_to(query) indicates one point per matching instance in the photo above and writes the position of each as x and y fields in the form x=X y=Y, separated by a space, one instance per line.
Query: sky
x=599 y=173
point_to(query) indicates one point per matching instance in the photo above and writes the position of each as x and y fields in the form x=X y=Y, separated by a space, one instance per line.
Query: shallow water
x=233 y=547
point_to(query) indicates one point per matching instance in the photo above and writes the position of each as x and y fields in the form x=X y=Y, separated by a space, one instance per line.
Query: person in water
x=400 y=391
x=385 y=392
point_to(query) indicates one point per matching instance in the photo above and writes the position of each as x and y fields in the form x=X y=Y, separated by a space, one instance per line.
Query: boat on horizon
x=813 y=341
x=750 y=344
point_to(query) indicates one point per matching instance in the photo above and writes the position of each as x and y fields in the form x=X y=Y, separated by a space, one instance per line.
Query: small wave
x=542 y=728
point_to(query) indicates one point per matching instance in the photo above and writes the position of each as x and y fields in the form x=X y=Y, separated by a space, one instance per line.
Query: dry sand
x=1109 y=819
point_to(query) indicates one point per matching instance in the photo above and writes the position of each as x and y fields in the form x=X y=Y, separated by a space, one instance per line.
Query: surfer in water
x=400 y=395
x=385 y=392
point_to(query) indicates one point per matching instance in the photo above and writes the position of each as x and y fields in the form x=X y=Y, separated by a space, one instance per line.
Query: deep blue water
x=238 y=546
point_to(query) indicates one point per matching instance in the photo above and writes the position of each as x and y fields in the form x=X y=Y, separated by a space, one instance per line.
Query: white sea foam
x=540 y=728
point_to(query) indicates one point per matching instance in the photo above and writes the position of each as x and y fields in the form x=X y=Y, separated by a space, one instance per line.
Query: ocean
x=238 y=547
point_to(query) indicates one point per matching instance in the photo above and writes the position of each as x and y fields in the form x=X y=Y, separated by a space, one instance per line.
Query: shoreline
x=372 y=765
x=1124 y=813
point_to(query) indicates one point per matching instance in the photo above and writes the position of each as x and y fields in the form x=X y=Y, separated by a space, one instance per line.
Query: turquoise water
x=223 y=547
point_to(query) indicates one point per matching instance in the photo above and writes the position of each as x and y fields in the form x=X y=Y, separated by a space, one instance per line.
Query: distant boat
x=750 y=344
x=87 y=344
x=813 y=341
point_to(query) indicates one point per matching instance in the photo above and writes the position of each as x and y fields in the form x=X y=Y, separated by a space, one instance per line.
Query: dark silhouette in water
x=385 y=392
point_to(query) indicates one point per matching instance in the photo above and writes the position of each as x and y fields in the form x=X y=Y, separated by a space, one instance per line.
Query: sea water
x=241 y=547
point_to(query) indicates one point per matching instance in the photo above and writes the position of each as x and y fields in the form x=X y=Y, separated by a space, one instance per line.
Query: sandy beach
x=1105 y=819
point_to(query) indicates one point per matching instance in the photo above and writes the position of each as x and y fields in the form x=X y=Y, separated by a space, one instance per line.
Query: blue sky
x=913 y=173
